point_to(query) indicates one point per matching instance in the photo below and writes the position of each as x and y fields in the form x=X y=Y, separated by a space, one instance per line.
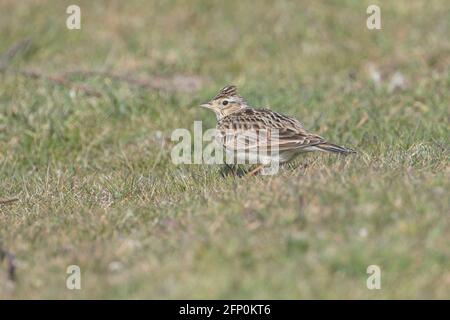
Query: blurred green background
x=96 y=186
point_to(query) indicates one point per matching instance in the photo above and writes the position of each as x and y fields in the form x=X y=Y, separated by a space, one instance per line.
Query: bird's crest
x=227 y=91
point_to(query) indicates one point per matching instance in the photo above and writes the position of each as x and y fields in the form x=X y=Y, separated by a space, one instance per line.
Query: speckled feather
x=290 y=132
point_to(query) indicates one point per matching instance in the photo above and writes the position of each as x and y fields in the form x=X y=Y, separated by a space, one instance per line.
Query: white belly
x=233 y=157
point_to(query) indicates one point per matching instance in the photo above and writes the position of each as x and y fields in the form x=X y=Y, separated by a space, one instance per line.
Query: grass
x=97 y=187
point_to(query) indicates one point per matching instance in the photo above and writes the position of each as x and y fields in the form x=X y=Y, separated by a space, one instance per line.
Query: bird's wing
x=297 y=139
x=263 y=129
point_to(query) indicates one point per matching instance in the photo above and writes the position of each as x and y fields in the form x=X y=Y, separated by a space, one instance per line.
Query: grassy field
x=96 y=186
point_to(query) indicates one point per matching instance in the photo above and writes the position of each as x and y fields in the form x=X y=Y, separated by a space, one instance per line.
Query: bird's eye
x=224 y=102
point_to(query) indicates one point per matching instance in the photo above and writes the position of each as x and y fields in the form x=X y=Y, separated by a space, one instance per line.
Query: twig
x=22 y=45
x=9 y=54
x=178 y=82
x=106 y=74
x=59 y=80
x=10 y=264
x=8 y=201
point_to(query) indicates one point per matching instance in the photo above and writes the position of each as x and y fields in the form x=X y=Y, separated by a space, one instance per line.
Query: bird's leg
x=232 y=168
x=256 y=170
x=229 y=169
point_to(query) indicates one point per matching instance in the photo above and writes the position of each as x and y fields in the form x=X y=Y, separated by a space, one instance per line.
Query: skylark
x=244 y=131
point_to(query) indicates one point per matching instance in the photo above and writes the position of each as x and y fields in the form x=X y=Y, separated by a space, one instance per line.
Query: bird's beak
x=206 y=105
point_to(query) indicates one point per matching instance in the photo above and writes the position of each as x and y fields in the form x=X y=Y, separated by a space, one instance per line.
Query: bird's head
x=225 y=102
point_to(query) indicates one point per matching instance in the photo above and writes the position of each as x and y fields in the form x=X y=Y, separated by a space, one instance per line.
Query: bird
x=247 y=133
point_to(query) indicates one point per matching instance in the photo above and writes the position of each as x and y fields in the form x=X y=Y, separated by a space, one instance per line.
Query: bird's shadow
x=233 y=170
x=241 y=171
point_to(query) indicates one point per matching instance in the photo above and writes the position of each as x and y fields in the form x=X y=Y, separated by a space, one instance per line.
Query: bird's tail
x=330 y=147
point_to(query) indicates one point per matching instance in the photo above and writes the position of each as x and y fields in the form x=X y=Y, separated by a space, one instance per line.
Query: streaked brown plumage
x=244 y=129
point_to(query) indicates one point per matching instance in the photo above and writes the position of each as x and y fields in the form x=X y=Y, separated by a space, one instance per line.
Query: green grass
x=97 y=187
